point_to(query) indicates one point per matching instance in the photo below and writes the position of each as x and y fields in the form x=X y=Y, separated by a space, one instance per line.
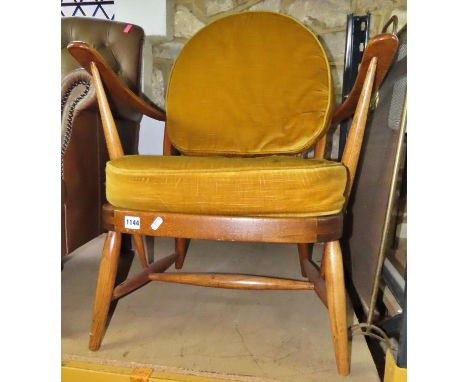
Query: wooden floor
x=243 y=335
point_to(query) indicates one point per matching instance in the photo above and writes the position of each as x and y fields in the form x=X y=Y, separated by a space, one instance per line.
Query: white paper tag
x=157 y=222
x=132 y=222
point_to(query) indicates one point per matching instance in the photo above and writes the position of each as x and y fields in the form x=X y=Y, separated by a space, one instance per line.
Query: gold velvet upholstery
x=239 y=89
x=263 y=186
x=247 y=84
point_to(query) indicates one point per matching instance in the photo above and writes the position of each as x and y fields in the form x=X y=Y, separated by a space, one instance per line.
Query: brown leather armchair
x=84 y=154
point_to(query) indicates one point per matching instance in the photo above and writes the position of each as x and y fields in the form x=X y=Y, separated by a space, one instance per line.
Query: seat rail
x=225 y=228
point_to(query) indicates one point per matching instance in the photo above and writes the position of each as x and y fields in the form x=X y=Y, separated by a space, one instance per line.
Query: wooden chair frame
x=327 y=281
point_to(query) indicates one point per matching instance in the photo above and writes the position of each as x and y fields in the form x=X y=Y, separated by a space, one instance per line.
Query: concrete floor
x=254 y=335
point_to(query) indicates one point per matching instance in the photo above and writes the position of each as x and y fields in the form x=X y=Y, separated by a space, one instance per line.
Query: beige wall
x=327 y=18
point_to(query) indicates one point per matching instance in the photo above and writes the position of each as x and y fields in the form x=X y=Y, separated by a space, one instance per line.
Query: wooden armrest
x=84 y=54
x=384 y=47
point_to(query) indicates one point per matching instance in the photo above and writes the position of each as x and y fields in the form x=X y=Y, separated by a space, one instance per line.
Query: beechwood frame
x=327 y=280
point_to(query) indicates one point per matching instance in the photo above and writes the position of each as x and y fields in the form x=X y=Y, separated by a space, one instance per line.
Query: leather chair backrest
x=121 y=50
x=252 y=83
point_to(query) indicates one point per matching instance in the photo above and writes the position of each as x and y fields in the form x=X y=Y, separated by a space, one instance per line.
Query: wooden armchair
x=249 y=94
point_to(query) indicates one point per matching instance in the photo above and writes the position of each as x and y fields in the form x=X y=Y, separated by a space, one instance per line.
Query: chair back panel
x=253 y=83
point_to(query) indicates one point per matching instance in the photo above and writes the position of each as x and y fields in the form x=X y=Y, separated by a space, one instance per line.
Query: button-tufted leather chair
x=84 y=153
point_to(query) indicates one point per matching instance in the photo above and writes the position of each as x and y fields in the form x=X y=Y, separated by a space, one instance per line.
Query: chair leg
x=138 y=241
x=325 y=254
x=149 y=248
x=105 y=286
x=181 y=247
x=336 y=299
x=305 y=253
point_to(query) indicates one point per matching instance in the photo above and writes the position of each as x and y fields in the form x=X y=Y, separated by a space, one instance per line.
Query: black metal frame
x=402 y=343
x=357 y=36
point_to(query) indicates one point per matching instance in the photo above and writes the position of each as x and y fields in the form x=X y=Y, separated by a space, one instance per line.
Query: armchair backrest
x=122 y=51
x=252 y=83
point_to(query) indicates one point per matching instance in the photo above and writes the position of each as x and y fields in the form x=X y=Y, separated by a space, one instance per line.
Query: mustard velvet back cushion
x=248 y=84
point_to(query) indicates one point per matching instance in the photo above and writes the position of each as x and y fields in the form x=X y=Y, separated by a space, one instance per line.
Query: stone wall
x=326 y=18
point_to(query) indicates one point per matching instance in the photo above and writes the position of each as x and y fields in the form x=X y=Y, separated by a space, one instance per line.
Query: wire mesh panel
x=370 y=199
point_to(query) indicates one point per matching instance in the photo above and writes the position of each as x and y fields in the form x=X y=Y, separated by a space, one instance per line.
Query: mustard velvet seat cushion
x=249 y=83
x=262 y=186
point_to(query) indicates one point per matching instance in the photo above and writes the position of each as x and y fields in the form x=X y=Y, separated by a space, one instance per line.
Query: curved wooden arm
x=384 y=47
x=353 y=145
x=85 y=55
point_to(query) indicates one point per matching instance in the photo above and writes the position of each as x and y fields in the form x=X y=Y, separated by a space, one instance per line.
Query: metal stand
x=402 y=345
